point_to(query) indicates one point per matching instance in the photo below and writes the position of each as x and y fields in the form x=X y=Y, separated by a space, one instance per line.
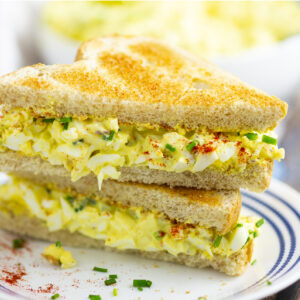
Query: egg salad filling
x=120 y=226
x=102 y=146
x=57 y=255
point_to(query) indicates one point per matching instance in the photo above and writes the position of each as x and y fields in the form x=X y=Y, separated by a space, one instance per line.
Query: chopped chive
x=170 y=147
x=142 y=283
x=115 y=292
x=255 y=234
x=58 y=244
x=66 y=126
x=51 y=120
x=97 y=269
x=79 y=141
x=248 y=239
x=253 y=262
x=269 y=282
x=70 y=199
x=217 y=241
x=140 y=288
x=269 y=140
x=239 y=225
x=77 y=209
x=94 y=297
x=18 y=243
x=250 y=231
x=34 y=119
x=251 y=136
x=259 y=222
x=110 y=281
x=91 y=201
x=238 y=134
x=192 y=145
x=109 y=137
x=113 y=276
x=55 y=296
x=65 y=120
x=48 y=190
x=157 y=235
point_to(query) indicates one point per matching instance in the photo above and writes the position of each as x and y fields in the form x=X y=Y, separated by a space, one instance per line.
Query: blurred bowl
x=274 y=69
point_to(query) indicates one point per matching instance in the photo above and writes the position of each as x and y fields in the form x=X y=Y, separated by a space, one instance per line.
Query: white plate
x=277 y=254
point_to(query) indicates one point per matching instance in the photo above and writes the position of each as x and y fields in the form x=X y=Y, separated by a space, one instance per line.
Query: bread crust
x=232 y=265
x=256 y=177
x=142 y=80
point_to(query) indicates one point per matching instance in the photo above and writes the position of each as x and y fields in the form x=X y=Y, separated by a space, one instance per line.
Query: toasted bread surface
x=233 y=265
x=142 y=80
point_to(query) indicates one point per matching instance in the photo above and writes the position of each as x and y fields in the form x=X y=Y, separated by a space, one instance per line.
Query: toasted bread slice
x=256 y=177
x=141 y=80
x=233 y=265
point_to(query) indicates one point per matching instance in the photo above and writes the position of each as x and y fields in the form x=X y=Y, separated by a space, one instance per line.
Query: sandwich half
x=135 y=109
x=193 y=227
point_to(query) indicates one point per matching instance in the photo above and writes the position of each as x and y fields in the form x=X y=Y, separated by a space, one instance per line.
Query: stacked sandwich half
x=139 y=147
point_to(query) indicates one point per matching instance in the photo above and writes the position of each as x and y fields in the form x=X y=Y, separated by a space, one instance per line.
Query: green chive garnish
x=253 y=262
x=66 y=126
x=34 y=119
x=58 y=244
x=142 y=283
x=217 y=241
x=97 y=269
x=170 y=147
x=113 y=276
x=94 y=297
x=255 y=234
x=269 y=282
x=158 y=234
x=79 y=141
x=55 y=296
x=77 y=209
x=239 y=225
x=48 y=120
x=248 y=239
x=115 y=292
x=191 y=145
x=110 y=281
x=70 y=199
x=140 y=288
x=269 y=140
x=65 y=120
x=252 y=136
x=259 y=222
x=18 y=243
x=109 y=137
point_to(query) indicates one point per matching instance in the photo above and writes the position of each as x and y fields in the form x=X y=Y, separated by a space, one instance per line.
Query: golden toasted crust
x=233 y=265
x=142 y=80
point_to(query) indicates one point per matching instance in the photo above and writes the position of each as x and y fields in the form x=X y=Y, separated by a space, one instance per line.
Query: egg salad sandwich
x=135 y=109
x=197 y=228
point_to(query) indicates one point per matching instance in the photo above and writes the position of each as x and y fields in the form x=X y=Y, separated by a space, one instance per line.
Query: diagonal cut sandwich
x=135 y=109
x=193 y=227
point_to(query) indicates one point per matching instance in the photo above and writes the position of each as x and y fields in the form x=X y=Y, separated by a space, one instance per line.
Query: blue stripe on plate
x=289 y=228
x=279 y=234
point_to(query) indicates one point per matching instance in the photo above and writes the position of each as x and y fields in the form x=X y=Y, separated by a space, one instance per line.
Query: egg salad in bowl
x=102 y=146
x=121 y=226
